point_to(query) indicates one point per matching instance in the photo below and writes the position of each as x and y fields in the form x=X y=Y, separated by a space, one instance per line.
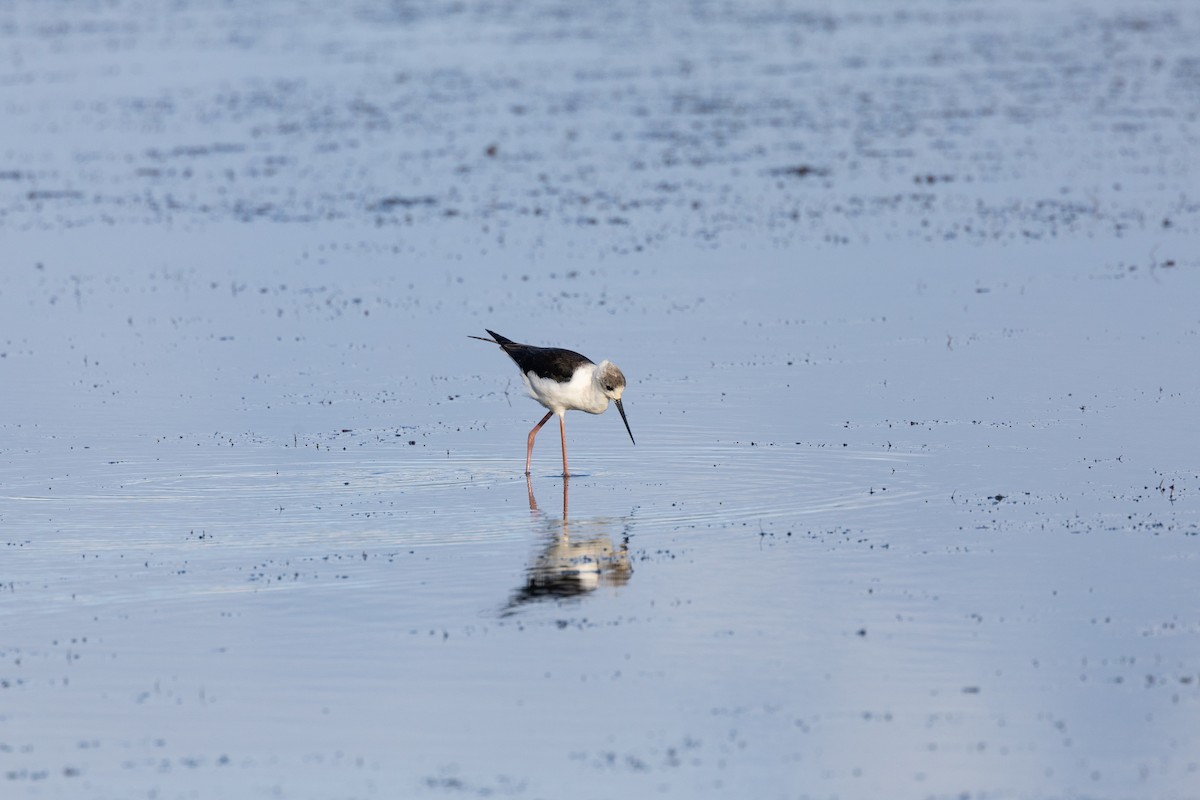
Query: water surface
x=907 y=304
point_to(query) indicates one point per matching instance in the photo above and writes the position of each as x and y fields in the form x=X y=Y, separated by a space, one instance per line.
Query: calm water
x=907 y=301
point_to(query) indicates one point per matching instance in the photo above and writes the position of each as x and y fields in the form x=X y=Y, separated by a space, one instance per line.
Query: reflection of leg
x=529 y=486
x=532 y=434
x=562 y=432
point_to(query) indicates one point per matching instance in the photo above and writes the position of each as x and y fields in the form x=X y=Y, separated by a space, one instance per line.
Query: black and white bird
x=563 y=380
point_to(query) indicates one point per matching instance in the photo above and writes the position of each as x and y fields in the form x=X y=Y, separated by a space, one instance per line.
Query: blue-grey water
x=909 y=304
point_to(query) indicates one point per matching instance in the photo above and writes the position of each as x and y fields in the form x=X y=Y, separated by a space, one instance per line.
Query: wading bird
x=563 y=380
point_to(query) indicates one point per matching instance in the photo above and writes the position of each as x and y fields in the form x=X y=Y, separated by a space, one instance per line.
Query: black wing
x=545 y=362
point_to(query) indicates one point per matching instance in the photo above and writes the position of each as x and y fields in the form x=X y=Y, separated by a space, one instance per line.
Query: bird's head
x=610 y=380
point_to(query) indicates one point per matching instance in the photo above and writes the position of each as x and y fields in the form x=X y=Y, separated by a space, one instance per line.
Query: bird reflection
x=574 y=559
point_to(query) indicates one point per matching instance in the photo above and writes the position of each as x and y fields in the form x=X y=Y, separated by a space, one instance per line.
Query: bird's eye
x=608 y=387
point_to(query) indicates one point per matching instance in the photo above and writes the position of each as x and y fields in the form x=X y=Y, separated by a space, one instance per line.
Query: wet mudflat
x=908 y=305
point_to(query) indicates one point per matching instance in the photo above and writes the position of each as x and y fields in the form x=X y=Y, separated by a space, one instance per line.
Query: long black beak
x=621 y=408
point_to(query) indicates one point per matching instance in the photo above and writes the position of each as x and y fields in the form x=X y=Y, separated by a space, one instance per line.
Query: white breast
x=580 y=394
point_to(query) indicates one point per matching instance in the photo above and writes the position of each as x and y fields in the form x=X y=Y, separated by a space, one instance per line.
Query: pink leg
x=532 y=434
x=562 y=432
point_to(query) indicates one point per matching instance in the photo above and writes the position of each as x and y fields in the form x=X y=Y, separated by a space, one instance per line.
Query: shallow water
x=908 y=306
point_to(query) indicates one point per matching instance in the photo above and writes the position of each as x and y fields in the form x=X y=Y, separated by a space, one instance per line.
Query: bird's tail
x=496 y=338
